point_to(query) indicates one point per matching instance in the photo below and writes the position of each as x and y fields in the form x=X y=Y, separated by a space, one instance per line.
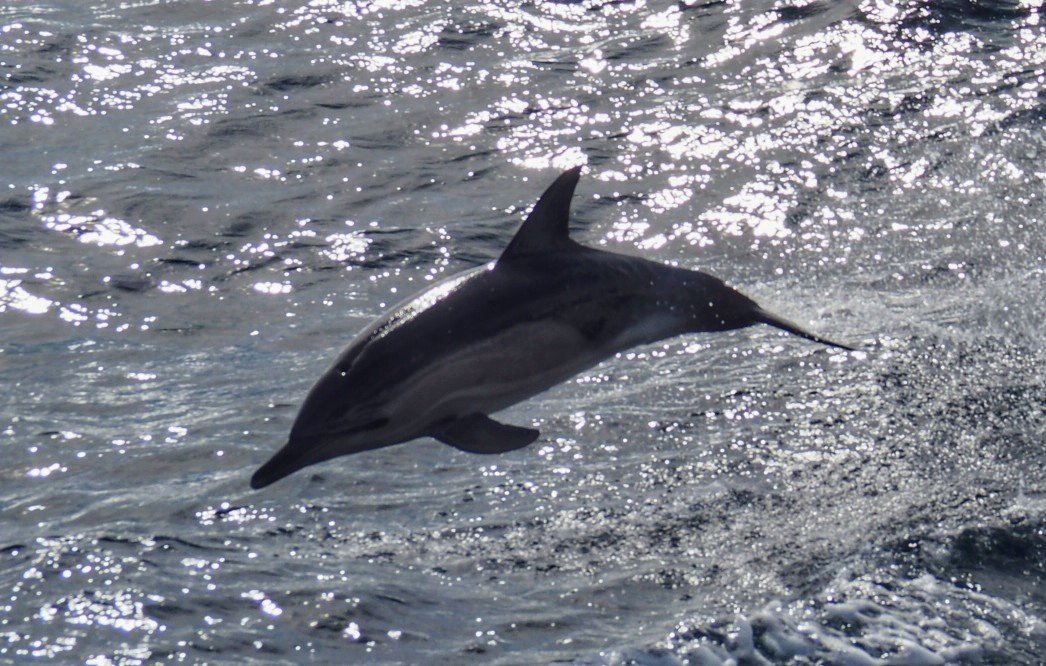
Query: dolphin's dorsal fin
x=546 y=229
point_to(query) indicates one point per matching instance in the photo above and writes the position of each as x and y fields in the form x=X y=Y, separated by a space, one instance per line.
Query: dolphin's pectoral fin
x=478 y=433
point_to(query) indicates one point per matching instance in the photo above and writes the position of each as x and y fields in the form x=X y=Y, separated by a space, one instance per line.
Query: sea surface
x=202 y=202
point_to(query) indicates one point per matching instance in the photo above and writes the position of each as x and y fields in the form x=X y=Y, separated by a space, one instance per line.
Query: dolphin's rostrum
x=441 y=362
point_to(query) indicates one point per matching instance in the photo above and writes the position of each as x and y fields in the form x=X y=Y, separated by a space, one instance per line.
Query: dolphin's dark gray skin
x=441 y=362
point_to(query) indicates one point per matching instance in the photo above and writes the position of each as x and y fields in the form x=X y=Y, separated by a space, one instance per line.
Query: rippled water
x=203 y=202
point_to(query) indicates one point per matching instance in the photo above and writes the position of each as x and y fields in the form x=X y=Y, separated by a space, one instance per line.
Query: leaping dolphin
x=440 y=363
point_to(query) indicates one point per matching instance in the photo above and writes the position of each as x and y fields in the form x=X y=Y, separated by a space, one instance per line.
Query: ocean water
x=202 y=202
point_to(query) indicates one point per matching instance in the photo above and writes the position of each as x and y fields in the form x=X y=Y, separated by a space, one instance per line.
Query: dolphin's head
x=328 y=425
x=317 y=446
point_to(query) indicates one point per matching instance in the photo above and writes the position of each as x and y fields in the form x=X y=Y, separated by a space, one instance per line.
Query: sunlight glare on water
x=200 y=205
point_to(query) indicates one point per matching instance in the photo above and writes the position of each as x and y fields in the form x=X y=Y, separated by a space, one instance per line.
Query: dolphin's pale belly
x=493 y=373
x=489 y=373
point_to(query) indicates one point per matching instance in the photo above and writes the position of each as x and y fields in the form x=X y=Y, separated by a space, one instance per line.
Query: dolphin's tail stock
x=764 y=317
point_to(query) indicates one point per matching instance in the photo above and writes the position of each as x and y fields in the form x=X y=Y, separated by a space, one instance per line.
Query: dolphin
x=440 y=363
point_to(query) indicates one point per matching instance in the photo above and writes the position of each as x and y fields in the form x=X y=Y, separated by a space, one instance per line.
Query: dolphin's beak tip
x=272 y=471
x=257 y=483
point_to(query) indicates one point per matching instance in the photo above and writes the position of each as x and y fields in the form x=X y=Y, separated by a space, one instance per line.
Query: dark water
x=202 y=202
